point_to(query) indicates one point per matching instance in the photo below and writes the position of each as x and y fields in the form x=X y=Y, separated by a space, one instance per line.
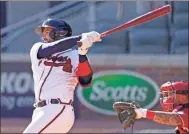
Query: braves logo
x=59 y=61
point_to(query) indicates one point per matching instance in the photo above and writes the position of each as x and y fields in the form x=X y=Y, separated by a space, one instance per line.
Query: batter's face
x=45 y=34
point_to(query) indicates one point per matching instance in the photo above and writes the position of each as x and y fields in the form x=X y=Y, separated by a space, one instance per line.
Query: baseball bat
x=139 y=20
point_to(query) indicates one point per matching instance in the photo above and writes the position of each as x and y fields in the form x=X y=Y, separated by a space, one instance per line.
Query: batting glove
x=87 y=40
x=93 y=36
x=86 y=43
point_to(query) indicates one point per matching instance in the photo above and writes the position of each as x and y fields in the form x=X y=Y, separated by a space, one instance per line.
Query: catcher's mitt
x=126 y=113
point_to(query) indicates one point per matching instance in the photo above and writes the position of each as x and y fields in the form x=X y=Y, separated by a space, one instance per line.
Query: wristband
x=82 y=58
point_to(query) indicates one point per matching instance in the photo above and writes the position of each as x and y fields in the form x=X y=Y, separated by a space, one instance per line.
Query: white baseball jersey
x=54 y=77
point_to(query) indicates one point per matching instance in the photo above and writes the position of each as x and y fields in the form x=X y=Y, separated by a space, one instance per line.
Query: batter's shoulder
x=34 y=50
x=35 y=46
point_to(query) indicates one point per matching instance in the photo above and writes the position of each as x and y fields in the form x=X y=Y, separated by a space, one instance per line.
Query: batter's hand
x=93 y=36
x=87 y=40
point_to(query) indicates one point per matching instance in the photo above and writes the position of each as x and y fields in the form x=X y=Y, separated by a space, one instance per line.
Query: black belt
x=51 y=101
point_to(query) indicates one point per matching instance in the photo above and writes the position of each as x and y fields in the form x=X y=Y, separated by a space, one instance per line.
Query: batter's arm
x=84 y=71
x=47 y=49
x=167 y=118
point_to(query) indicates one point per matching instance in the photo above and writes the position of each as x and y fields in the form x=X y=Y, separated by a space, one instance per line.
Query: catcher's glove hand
x=126 y=113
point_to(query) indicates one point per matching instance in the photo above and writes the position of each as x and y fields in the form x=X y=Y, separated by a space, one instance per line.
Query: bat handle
x=102 y=35
x=79 y=43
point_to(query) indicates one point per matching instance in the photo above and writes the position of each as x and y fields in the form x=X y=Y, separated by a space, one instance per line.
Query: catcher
x=175 y=108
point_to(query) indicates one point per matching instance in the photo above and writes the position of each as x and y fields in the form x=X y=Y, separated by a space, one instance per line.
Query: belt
x=51 y=101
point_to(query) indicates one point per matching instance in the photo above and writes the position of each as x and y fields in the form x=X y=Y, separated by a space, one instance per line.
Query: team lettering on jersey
x=57 y=61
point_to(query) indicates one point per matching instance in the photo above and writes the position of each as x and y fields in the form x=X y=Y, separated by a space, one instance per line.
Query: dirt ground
x=17 y=125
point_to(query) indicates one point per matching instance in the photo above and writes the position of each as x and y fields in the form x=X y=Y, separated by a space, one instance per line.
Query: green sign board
x=110 y=86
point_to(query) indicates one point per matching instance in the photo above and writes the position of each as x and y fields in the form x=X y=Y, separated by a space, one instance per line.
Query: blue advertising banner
x=17 y=93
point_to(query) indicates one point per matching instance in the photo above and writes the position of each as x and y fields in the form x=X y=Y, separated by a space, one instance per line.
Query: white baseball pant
x=52 y=118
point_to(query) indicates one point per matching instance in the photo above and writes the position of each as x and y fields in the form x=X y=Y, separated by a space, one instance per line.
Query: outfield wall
x=140 y=74
x=17 y=82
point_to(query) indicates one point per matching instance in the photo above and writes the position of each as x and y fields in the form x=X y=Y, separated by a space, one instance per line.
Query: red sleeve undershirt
x=84 y=70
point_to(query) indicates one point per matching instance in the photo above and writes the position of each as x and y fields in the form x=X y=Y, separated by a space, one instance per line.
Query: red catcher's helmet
x=169 y=91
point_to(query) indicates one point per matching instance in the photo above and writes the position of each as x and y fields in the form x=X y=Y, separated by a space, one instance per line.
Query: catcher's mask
x=54 y=29
x=169 y=91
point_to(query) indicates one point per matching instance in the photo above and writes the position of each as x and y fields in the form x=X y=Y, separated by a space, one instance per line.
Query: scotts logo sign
x=110 y=86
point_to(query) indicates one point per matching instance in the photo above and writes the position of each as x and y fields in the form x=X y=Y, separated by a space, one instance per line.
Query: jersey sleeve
x=33 y=53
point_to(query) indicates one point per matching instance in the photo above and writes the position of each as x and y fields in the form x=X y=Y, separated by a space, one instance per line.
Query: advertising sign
x=17 y=96
x=113 y=85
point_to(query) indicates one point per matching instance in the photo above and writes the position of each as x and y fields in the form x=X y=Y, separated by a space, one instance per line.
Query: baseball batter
x=58 y=65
